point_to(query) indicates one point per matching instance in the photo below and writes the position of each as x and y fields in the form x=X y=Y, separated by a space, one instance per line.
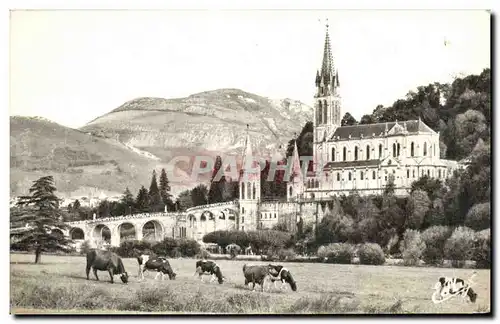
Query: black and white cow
x=280 y=273
x=158 y=264
x=204 y=267
x=455 y=286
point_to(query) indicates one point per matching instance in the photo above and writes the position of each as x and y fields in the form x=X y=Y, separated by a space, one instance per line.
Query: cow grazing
x=280 y=273
x=256 y=274
x=209 y=268
x=455 y=286
x=158 y=264
x=106 y=261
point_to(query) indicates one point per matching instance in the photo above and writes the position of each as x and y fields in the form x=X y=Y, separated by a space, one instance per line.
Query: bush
x=131 y=249
x=189 y=248
x=482 y=249
x=371 y=253
x=459 y=247
x=435 y=238
x=167 y=247
x=478 y=217
x=286 y=254
x=412 y=247
x=337 y=253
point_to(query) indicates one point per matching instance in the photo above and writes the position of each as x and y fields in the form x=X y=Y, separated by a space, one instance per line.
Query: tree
x=165 y=190
x=348 y=120
x=216 y=185
x=199 y=195
x=367 y=119
x=128 y=201
x=389 y=187
x=142 y=200
x=76 y=206
x=104 y=209
x=184 y=200
x=40 y=220
x=418 y=206
x=155 y=200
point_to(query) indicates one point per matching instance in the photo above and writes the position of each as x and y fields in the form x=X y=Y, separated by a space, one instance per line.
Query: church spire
x=247 y=153
x=327 y=66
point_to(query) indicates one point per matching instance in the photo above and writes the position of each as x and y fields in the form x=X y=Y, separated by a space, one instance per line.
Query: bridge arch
x=192 y=220
x=101 y=233
x=76 y=233
x=127 y=232
x=208 y=215
x=152 y=231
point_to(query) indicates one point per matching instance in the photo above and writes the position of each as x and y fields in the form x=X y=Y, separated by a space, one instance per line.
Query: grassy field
x=58 y=284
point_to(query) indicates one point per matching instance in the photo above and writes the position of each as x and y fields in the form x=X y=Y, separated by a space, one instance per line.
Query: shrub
x=130 y=249
x=435 y=238
x=337 y=253
x=167 y=247
x=482 y=249
x=371 y=253
x=478 y=217
x=412 y=247
x=189 y=248
x=286 y=254
x=459 y=247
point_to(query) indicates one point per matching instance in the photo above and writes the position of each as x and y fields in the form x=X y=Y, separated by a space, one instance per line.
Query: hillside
x=211 y=122
x=79 y=162
x=122 y=147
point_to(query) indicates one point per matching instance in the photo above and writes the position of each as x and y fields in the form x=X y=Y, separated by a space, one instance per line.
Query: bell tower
x=327 y=109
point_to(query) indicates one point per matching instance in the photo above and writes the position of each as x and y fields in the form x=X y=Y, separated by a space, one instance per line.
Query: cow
x=158 y=264
x=455 y=286
x=106 y=261
x=256 y=274
x=280 y=273
x=210 y=268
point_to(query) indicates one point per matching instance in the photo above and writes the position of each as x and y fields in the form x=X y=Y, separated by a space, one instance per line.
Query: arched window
x=320 y=112
x=249 y=190
x=425 y=149
x=408 y=173
x=253 y=191
x=380 y=151
x=414 y=173
x=317 y=184
x=439 y=173
x=412 y=149
x=399 y=149
x=355 y=153
x=361 y=175
x=394 y=150
x=291 y=191
x=367 y=152
x=338 y=176
x=325 y=112
x=350 y=177
x=373 y=175
x=428 y=173
x=345 y=153
x=243 y=190
x=333 y=154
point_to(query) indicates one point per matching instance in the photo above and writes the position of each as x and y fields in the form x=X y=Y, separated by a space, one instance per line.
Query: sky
x=73 y=66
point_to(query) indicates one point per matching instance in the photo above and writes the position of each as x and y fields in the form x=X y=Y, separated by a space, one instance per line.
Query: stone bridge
x=192 y=224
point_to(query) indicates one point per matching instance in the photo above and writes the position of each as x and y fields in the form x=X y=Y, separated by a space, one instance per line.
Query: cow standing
x=210 y=268
x=106 y=261
x=280 y=273
x=256 y=274
x=158 y=264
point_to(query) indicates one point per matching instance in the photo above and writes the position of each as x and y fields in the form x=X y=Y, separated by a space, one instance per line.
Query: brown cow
x=106 y=261
x=256 y=274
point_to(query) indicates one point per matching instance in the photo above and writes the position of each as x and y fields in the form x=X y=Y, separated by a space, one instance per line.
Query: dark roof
x=351 y=164
x=368 y=130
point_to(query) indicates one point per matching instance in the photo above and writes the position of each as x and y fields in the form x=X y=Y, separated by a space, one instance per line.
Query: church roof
x=379 y=129
x=350 y=164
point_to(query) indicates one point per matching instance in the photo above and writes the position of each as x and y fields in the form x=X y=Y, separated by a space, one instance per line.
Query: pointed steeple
x=296 y=171
x=318 y=78
x=327 y=66
x=247 y=153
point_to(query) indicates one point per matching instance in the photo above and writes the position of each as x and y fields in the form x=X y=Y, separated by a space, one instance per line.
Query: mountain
x=122 y=147
x=211 y=122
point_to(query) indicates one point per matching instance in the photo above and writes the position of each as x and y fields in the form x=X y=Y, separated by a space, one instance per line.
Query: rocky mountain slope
x=121 y=148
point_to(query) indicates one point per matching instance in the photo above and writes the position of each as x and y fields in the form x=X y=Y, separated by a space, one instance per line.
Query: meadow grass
x=59 y=284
